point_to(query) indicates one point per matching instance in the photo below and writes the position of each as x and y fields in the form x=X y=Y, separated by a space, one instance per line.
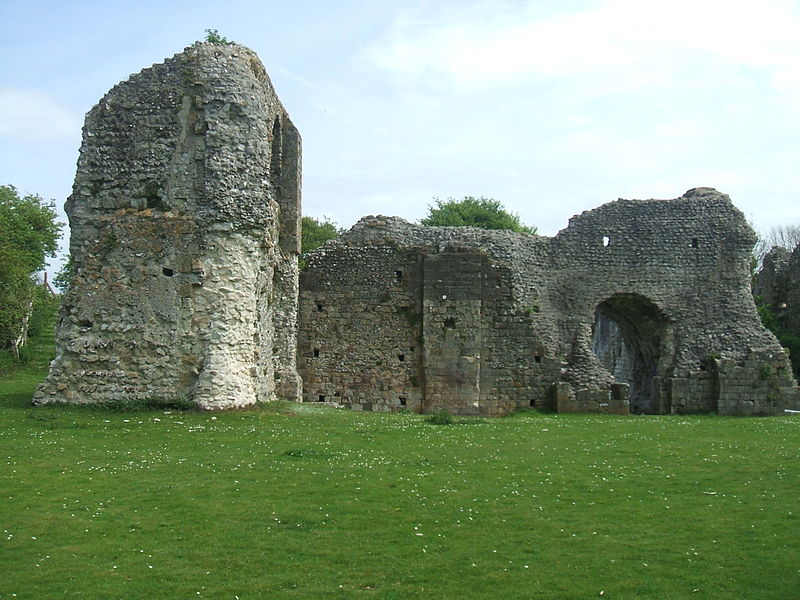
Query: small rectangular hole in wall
x=398 y=275
x=695 y=243
x=402 y=400
x=319 y=306
x=316 y=352
x=167 y=271
x=533 y=403
x=401 y=357
x=537 y=358
x=322 y=398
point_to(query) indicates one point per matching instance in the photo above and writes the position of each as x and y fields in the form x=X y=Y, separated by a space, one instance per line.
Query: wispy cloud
x=593 y=99
x=32 y=115
x=498 y=44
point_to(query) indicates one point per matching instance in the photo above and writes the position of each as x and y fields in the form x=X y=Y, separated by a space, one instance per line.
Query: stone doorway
x=628 y=336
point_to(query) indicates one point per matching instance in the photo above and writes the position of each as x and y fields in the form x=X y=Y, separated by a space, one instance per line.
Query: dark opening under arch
x=627 y=338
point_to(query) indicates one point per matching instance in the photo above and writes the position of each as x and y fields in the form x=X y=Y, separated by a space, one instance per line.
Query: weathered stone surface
x=185 y=232
x=778 y=285
x=654 y=294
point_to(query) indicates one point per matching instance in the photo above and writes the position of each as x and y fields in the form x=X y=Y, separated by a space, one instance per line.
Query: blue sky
x=551 y=107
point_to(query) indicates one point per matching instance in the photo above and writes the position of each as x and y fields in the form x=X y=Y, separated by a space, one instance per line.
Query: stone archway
x=628 y=338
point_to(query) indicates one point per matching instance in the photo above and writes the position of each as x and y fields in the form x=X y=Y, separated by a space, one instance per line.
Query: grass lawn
x=300 y=501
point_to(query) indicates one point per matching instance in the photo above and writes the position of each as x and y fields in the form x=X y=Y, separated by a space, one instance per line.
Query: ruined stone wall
x=675 y=274
x=364 y=350
x=793 y=291
x=447 y=299
x=778 y=285
x=505 y=320
x=185 y=231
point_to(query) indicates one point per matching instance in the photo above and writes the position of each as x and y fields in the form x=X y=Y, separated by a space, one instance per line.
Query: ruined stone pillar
x=185 y=217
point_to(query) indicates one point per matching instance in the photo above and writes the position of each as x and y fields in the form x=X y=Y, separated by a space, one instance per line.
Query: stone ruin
x=636 y=305
x=778 y=285
x=185 y=218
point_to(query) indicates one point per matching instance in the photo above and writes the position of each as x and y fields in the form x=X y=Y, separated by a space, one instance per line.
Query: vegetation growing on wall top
x=485 y=213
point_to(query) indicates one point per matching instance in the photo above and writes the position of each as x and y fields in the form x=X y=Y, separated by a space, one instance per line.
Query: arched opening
x=627 y=338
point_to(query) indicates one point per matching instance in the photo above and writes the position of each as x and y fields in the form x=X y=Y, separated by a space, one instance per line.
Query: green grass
x=300 y=501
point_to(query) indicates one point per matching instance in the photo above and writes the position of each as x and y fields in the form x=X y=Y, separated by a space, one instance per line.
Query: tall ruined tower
x=185 y=216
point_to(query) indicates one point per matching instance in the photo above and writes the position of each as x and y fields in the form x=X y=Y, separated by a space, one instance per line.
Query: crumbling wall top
x=379 y=230
x=196 y=134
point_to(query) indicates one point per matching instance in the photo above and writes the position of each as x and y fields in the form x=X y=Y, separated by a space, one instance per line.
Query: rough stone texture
x=654 y=294
x=185 y=234
x=778 y=284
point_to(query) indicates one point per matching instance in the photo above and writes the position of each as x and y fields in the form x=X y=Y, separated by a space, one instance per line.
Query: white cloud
x=634 y=42
x=31 y=115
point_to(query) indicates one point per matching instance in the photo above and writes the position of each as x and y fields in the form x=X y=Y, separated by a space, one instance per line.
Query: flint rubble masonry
x=636 y=305
x=185 y=217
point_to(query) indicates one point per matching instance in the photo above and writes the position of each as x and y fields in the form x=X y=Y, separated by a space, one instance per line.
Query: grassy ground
x=298 y=501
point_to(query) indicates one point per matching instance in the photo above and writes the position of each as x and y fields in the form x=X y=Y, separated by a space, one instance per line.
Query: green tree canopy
x=63 y=279
x=486 y=213
x=213 y=37
x=28 y=228
x=29 y=233
x=316 y=232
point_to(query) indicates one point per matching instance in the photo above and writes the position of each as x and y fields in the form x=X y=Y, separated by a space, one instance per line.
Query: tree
x=485 y=213
x=64 y=277
x=29 y=233
x=213 y=37
x=314 y=233
x=783 y=236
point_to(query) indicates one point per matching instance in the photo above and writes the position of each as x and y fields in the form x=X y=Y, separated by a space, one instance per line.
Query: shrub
x=440 y=417
x=213 y=37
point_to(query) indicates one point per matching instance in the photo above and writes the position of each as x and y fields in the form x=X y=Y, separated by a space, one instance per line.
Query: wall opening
x=627 y=339
x=319 y=306
x=167 y=271
x=401 y=357
x=695 y=243
x=398 y=275
x=321 y=398
x=316 y=352
x=276 y=150
x=402 y=400
x=450 y=323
